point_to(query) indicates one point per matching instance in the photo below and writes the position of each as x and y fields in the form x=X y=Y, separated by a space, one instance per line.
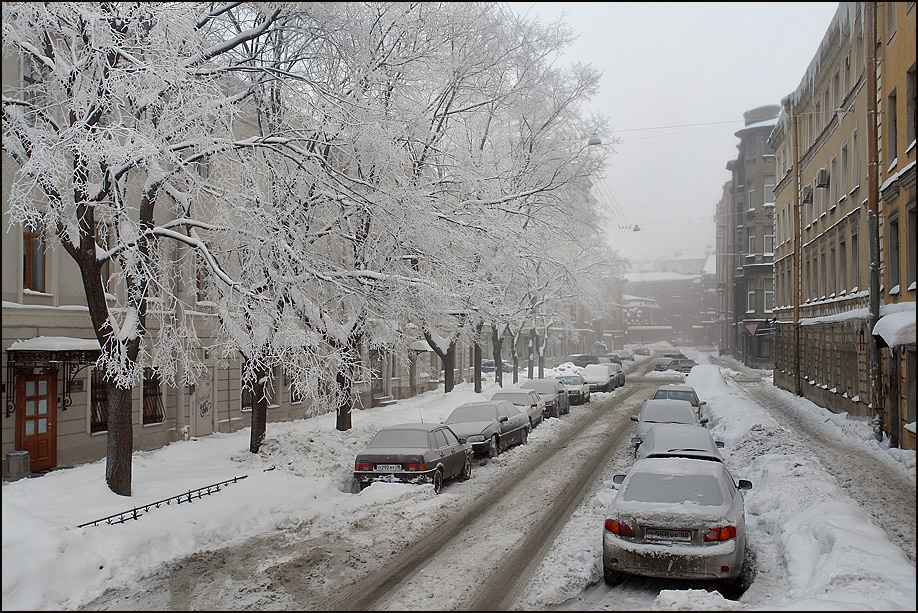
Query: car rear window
x=472 y=413
x=514 y=397
x=569 y=380
x=543 y=386
x=703 y=490
x=415 y=439
x=662 y=415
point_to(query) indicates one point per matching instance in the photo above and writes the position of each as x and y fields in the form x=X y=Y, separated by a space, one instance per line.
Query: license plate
x=673 y=536
x=388 y=467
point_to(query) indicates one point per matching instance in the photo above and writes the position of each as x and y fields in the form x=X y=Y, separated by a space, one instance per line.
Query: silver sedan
x=676 y=518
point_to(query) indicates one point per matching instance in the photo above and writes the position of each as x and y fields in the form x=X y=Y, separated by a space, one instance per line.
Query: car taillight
x=620 y=528
x=359 y=466
x=724 y=533
x=419 y=467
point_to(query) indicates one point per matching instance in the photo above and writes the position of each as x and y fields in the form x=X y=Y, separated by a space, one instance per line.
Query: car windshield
x=416 y=439
x=569 y=380
x=704 y=490
x=474 y=412
x=668 y=415
x=596 y=370
x=514 y=397
x=675 y=395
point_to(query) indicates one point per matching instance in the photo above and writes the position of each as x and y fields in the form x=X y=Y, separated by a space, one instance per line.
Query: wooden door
x=36 y=418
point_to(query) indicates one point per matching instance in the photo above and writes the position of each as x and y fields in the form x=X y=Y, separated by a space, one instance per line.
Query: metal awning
x=68 y=355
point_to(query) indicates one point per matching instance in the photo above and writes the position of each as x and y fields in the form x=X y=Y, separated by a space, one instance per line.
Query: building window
x=855 y=162
x=843 y=176
x=911 y=237
x=830 y=274
x=153 y=409
x=892 y=148
x=910 y=106
x=890 y=20
x=842 y=266
x=33 y=259
x=769 y=293
x=892 y=252
x=750 y=296
x=98 y=407
x=750 y=204
x=847 y=74
x=855 y=263
x=836 y=90
x=833 y=183
x=750 y=241
x=769 y=246
x=769 y=189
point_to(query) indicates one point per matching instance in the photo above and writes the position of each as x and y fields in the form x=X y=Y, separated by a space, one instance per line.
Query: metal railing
x=136 y=512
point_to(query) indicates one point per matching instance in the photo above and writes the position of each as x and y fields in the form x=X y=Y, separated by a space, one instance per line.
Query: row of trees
x=327 y=174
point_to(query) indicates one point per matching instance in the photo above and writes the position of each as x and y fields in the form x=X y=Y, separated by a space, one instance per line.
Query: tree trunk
x=345 y=398
x=448 y=359
x=497 y=341
x=120 y=442
x=477 y=360
x=259 y=411
x=533 y=344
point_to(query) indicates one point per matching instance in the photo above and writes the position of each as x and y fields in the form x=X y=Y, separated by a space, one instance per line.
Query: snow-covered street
x=294 y=530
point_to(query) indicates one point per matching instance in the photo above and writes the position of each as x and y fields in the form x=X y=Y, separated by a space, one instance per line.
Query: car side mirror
x=744 y=485
x=702 y=403
x=634 y=418
x=462 y=441
x=704 y=420
x=618 y=479
x=636 y=440
x=503 y=418
x=720 y=444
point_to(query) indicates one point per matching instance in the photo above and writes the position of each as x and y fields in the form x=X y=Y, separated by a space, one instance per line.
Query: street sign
x=751 y=328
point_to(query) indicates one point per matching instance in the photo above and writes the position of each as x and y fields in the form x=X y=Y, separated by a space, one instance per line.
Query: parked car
x=578 y=390
x=680 y=392
x=676 y=355
x=618 y=373
x=599 y=377
x=683 y=365
x=528 y=401
x=610 y=359
x=676 y=518
x=553 y=393
x=679 y=441
x=662 y=364
x=641 y=350
x=414 y=453
x=664 y=411
x=490 y=366
x=582 y=359
x=489 y=426
x=623 y=354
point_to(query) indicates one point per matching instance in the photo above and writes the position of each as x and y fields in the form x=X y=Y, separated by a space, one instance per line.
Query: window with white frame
x=847 y=74
x=750 y=295
x=892 y=148
x=843 y=173
x=842 y=266
x=33 y=259
x=833 y=183
x=750 y=203
x=892 y=253
x=911 y=237
x=855 y=263
x=769 y=238
x=855 y=162
x=750 y=241
x=769 y=189
x=768 y=293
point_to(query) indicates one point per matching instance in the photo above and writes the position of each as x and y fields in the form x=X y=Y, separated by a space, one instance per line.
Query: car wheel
x=466 y=470
x=611 y=577
x=525 y=437
x=494 y=447
x=588 y=397
x=438 y=481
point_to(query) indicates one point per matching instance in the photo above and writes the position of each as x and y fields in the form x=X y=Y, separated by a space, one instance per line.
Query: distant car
x=528 y=401
x=680 y=392
x=662 y=364
x=663 y=412
x=618 y=373
x=414 y=453
x=578 y=390
x=683 y=365
x=676 y=355
x=582 y=359
x=489 y=426
x=679 y=441
x=676 y=518
x=641 y=350
x=553 y=393
x=599 y=377
x=623 y=354
x=611 y=359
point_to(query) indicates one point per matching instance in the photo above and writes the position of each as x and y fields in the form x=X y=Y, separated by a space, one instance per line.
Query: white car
x=599 y=377
x=665 y=411
x=679 y=441
x=578 y=390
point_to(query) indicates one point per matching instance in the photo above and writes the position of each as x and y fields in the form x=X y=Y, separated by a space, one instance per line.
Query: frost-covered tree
x=122 y=104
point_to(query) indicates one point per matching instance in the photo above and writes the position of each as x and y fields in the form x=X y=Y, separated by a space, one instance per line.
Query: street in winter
x=459 y=306
x=293 y=534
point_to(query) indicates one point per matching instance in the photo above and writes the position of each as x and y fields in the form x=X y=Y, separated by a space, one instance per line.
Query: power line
x=684 y=125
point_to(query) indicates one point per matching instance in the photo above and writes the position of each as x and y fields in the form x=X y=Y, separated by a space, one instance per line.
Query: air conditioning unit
x=822 y=177
x=807 y=195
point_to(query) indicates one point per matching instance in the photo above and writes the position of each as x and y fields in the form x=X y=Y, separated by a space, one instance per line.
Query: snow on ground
x=817 y=550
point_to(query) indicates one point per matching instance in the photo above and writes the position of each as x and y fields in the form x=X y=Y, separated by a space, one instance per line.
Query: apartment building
x=827 y=231
x=746 y=233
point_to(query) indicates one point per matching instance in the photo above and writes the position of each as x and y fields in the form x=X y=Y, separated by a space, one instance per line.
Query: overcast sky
x=697 y=66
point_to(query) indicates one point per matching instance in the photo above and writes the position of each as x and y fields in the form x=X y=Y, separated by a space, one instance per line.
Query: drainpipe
x=798 y=229
x=873 y=230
